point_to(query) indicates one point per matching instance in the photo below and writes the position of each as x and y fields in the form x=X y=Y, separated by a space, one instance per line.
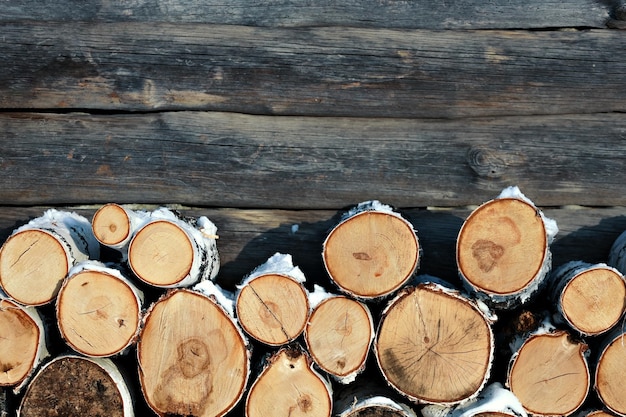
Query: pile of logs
x=151 y=325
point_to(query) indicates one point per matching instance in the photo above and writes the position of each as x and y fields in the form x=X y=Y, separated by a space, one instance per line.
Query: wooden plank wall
x=266 y=115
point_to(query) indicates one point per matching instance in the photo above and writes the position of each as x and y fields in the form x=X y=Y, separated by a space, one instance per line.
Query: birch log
x=98 y=310
x=169 y=251
x=193 y=359
x=288 y=386
x=114 y=225
x=594 y=413
x=272 y=304
x=37 y=256
x=366 y=399
x=73 y=386
x=493 y=401
x=589 y=298
x=339 y=334
x=23 y=343
x=372 y=252
x=434 y=345
x=493 y=240
x=610 y=371
x=548 y=372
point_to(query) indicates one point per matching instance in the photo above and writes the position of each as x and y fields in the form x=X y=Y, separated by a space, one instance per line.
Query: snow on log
x=37 y=256
x=73 y=386
x=434 y=345
x=272 y=304
x=193 y=358
x=372 y=252
x=589 y=298
x=494 y=238
x=23 y=343
x=338 y=335
x=289 y=386
x=548 y=371
x=493 y=401
x=169 y=251
x=610 y=371
x=98 y=310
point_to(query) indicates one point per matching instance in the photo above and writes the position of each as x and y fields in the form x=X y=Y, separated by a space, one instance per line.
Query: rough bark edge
x=607 y=340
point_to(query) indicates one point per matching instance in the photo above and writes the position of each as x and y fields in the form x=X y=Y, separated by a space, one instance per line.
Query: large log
x=610 y=371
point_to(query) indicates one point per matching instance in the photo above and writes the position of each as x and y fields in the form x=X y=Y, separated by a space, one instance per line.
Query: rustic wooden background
x=272 y=117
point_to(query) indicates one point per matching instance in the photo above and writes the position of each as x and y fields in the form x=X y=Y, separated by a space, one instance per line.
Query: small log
x=372 y=252
x=366 y=399
x=289 y=386
x=23 y=343
x=114 y=225
x=170 y=252
x=37 y=256
x=434 y=345
x=610 y=371
x=491 y=243
x=73 y=386
x=272 y=304
x=589 y=298
x=493 y=401
x=98 y=310
x=193 y=359
x=338 y=335
x=548 y=372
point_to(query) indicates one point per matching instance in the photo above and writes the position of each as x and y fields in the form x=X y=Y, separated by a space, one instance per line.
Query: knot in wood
x=486 y=162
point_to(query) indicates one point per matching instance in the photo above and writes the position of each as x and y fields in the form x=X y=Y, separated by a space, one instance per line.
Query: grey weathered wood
x=457 y=14
x=248 y=237
x=332 y=71
x=234 y=160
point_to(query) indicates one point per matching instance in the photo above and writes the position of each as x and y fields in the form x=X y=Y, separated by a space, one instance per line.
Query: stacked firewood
x=153 y=321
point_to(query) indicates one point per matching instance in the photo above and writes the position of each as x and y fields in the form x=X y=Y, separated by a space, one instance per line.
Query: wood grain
x=457 y=14
x=320 y=71
x=231 y=160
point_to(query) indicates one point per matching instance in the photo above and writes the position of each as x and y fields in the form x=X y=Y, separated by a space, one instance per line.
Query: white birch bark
x=493 y=399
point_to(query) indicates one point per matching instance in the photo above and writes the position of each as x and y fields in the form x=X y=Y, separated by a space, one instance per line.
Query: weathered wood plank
x=457 y=14
x=249 y=237
x=233 y=160
x=310 y=71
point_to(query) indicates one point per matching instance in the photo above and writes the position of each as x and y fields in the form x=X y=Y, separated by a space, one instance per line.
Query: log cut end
x=33 y=264
x=288 y=387
x=493 y=240
x=273 y=308
x=371 y=254
x=193 y=361
x=434 y=346
x=72 y=387
x=19 y=343
x=594 y=300
x=609 y=380
x=161 y=254
x=97 y=313
x=111 y=225
x=339 y=335
x=549 y=374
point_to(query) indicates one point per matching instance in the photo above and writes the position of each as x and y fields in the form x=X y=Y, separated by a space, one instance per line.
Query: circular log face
x=97 y=313
x=33 y=263
x=192 y=359
x=338 y=335
x=19 y=341
x=434 y=346
x=273 y=309
x=72 y=387
x=610 y=373
x=111 y=224
x=493 y=240
x=288 y=387
x=371 y=254
x=549 y=375
x=594 y=300
x=161 y=254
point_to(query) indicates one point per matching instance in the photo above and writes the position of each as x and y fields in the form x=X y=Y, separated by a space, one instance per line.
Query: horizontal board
x=234 y=160
x=248 y=237
x=310 y=71
x=399 y=14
